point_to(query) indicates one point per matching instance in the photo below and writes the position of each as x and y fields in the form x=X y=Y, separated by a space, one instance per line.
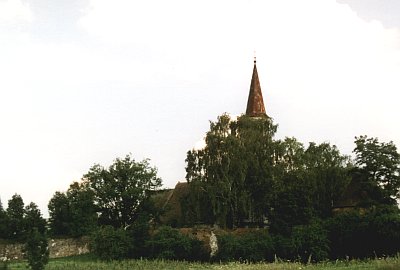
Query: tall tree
x=82 y=211
x=380 y=164
x=59 y=214
x=234 y=169
x=72 y=213
x=33 y=219
x=327 y=171
x=15 y=213
x=120 y=189
x=3 y=222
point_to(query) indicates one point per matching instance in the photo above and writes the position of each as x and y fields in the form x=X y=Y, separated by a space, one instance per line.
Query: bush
x=253 y=246
x=284 y=247
x=374 y=233
x=169 y=243
x=36 y=250
x=108 y=243
x=139 y=233
x=228 y=246
x=311 y=242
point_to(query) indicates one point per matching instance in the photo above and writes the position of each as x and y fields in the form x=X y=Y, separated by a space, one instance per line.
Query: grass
x=89 y=263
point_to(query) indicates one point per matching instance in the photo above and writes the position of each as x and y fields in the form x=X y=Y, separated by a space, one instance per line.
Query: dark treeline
x=245 y=176
x=304 y=202
x=312 y=199
x=17 y=221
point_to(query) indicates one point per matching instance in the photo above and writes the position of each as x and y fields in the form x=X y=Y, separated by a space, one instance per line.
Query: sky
x=87 y=81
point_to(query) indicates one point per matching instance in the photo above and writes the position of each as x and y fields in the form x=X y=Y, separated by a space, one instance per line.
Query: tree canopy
x=119 y=190
x=246 y=175
x=379 y=162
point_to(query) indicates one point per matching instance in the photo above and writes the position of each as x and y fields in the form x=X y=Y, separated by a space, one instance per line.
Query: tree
x=15 y=213
x=33 y=219
x=36 y=250
x=328 y=174
x=243 y=174
x=234 y=172
x=380 y=165
x=3 y=222
x=82 y=211
x=120 y=189
x=59 y=214
x=72 y=213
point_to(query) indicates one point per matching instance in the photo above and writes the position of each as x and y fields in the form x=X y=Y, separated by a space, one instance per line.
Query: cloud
x=319 y=58
x=15 y=10
x=146 y=76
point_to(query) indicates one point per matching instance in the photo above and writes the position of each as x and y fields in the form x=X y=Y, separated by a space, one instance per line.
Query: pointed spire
x=255 y=102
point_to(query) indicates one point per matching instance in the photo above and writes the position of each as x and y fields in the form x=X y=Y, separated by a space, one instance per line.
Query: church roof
x=255 y=102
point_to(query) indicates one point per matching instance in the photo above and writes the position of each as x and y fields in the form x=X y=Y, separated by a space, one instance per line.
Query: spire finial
x=255 y=102
x=255 y=58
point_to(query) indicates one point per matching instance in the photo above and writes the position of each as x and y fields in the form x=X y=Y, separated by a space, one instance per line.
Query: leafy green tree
x=311 y=181
x=328 y=175
x=33 y=219
x=36 y=250
x=59 y=214
x=234 y=172
x=15 y=213
x=380 y=165
x=120 y=189
x=72 y=213
x=83 y=216
x=3 y=222
x=243 y=174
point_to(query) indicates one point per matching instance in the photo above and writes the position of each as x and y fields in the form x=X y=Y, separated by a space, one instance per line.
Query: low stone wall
x=57 y=248
x=68 y=247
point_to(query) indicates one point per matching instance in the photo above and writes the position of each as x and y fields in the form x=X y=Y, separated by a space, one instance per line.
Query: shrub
x=228 y=246
x=36 y=250
x=252 y=246
x=374 y=233
x=139 y=233
x=169 y=243
x=385 y=228
x=108 y=243
x=284 y=247
x=311 y=242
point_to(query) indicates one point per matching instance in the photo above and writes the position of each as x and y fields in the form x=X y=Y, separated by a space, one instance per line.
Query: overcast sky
x=86 y=81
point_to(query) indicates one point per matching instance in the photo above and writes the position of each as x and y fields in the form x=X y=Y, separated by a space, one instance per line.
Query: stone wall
x=57 y=247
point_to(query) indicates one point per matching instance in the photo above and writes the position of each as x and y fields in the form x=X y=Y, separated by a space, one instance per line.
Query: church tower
x=255 y=102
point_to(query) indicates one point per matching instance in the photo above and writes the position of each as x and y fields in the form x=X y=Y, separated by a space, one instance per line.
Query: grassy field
x=88 y=263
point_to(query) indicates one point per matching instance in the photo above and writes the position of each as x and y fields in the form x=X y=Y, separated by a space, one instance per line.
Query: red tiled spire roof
x=255 y=102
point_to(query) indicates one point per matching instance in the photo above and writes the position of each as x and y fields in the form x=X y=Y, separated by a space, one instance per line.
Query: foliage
x=235 y=169
x=359 y=235
x=245 y=176
x=139 y=233
x=36 y=250
x=15 y=213
x=169 y=243
x=120 y=189
x=81 y=209
x=79 y=263
x=72 y=213
x=307 y=242
x=59 y=215
x=311 y=242
x=380 y=163
x=3 y=222
x=33 y=219
x=108 y=243
x=253 y=246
